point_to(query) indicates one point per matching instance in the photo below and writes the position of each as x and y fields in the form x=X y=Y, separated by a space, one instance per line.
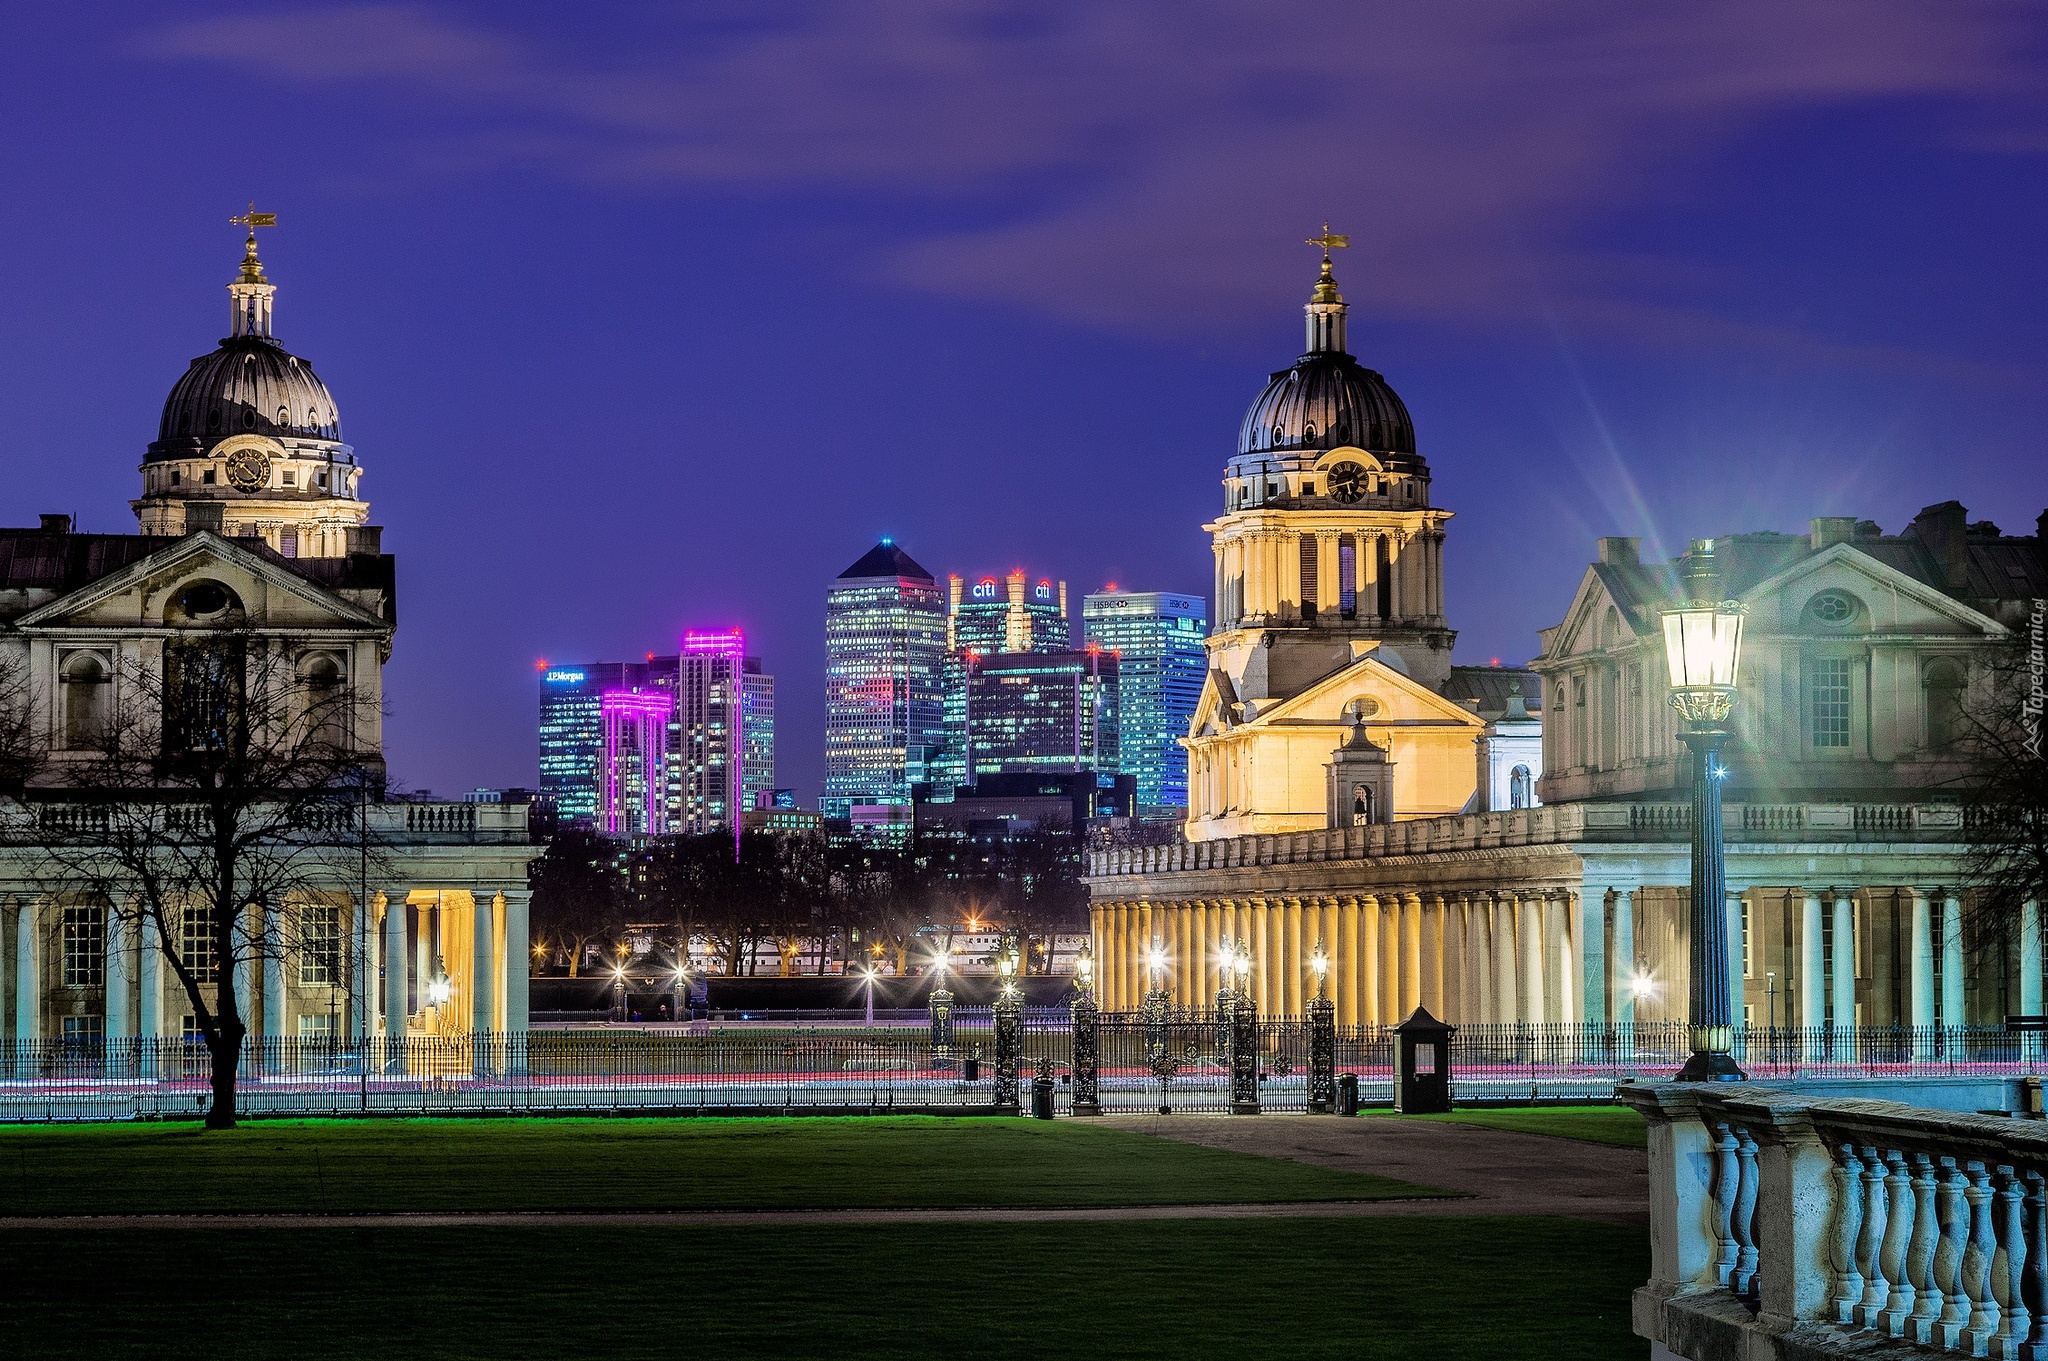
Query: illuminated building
x=572 y=733
x=633 y=755
x=1157 y=639
x=885 y=638
x=710 y=714
x=1036 y=712
x=986 y=616
x=757 y=735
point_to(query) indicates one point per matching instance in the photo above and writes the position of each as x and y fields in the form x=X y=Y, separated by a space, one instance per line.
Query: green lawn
x=1377 y=1289
x=634 y=1164
x=1615 y=1125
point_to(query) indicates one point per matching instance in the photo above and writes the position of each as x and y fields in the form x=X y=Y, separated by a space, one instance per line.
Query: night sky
x=643 y=317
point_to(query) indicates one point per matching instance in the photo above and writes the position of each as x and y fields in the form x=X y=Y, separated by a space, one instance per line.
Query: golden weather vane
x=253 y=219
x=1329 y=241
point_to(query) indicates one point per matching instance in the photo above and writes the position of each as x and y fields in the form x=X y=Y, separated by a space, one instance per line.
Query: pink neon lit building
x=632 y=777
x=709 y=696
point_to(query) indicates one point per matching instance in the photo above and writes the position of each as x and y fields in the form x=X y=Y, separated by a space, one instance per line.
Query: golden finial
x=1326 y=282
x=252 y=268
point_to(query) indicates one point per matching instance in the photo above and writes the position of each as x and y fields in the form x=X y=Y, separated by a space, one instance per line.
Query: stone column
x=1199 y=991
x=273 y=976
x=1560 y=1003
x=248 y=923
x=1433 y=934
x=1411 y=953
x=1507 y=973
x=1370 y=975
x=28 y=981
x=1920 y=957
x=1624 y=957
x=1589 y=933
x=1451 y=911
x=1952 y=961
x=518 y=959
x=1530 y=942
x=1738 y=979
x=1812 y=971
x=483 y=990
x=1844 y=960
x=2030 y=959
x=149 y=1009
x=1263 y=938
x=1328 y=582
x=1351 y=985
x=120 y=975
x=397 y=961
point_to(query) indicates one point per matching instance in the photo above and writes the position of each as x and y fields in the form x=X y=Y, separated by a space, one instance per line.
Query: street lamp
x=1702 y=647
x=1320 y=963
x=869 y=974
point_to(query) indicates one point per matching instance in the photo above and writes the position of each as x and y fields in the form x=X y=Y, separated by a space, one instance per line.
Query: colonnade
x=1259 y=572
x=1555 y=954
x=85 y=971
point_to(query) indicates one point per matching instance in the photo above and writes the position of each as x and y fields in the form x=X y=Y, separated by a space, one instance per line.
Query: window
x=85 y=947
x=1748 y=942
x=321 y=479
x=316 y=1027
x=1832 y=607
x=81 y=1032
x=319 y=945
x=87 y=686
x=207 y=477
x=326 y=700
x=1828 y=692
x=195 y=946
x=288 y=540
x=174 y=477
x=291 y=478
x=1943 y=682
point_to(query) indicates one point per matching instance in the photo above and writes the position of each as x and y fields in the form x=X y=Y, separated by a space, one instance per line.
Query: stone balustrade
x=388 y=822
x=1551 y=824
x=1785 y=1224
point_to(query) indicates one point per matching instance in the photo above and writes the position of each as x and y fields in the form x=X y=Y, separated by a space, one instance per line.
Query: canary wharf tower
x=885 y=637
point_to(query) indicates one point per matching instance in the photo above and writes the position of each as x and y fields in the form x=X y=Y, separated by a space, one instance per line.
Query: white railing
x=1784 y=1223
x=1529 y=827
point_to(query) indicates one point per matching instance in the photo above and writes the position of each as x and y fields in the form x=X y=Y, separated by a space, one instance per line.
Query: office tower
x=709 y=688
x=885 y=637
x=1029 y=712
x=572 y=729
x=633 y=759
x=984 y=617
x=757 y=735
x=1157 y=640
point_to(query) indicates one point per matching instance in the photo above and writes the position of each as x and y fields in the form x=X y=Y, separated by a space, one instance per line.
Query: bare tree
x=579 y=892
x=1993 y=728
x=215 y=805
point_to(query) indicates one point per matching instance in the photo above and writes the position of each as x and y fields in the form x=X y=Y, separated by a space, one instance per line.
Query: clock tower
x=1329 y=602
x=250 y=442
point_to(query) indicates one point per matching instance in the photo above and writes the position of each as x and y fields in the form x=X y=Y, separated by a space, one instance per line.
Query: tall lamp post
x=1158 y=1006
x=1322 y=1039
x=1244 y=1038
x=1702 y=647
x=1087 y=1099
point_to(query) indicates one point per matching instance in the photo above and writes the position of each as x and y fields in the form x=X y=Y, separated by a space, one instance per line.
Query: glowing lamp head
x=1703 y=641
x=1084 y=967
x=1642 y=986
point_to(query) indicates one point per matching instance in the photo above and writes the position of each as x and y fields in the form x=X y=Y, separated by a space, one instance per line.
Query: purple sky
x=650 y=316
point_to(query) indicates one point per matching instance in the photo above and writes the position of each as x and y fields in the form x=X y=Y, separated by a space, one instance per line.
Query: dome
x=1327 y=399
x=251 y=385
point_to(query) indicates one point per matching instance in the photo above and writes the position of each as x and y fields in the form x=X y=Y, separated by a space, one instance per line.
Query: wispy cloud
x=1143 y=155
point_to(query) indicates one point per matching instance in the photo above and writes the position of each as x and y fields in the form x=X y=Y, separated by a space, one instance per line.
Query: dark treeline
x=816 y=903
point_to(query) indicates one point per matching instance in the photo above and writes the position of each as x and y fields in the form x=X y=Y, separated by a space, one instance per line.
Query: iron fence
x=1180 y=1060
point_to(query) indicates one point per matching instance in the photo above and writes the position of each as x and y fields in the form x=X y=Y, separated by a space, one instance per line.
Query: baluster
x=1724 y=1189
x=2034 y=1277
x=1743 y=1279
x=1977 y=1254
x=1898 y=1227
x=2009 y=1266
x=1948 y=1255
x=1870 y=1243
x=1927 y=1295
x=1842 y=1243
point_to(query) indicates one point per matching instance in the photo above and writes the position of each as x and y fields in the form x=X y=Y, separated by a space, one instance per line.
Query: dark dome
x=1327 y=399
x=249 y=386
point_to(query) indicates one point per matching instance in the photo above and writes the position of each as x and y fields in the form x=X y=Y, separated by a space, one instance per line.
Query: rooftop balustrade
x=387 y=823
x=1550 y=824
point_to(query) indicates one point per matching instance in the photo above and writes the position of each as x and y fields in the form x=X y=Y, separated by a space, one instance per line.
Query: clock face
x=1347 y=482
x=248 y=469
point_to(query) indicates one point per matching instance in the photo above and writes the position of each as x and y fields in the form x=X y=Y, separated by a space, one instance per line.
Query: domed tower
x=250 y=442
x=1328 y=538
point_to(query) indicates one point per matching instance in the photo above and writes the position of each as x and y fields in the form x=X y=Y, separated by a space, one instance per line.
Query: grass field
x=1615 y=1125
x=627 y=1164
x=1381 y=1289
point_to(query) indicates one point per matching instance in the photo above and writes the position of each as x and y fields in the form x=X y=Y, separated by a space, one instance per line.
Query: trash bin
x=1041 y=1098
x=970 y=1069
x=1347 y=1093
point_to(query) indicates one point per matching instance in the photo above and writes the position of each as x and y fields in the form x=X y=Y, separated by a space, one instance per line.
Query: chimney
x=1824 y=530
x=56 y=524
x=205 y=515
x=2041 y=531
x=365 y=539
x=1942 y=531
x=1621 y=552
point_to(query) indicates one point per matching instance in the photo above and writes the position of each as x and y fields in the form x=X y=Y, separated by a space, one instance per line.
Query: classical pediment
x=1891 y=601
x=1392 y=699
x=142 y=594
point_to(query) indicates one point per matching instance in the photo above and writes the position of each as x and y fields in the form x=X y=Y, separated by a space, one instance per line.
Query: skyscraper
x=885 y=637
x=757 y=735
x=633 y=761
x=1037 y=712
x=1157 y=639
x=712 y=740
x=985 y=617
x=572 y=728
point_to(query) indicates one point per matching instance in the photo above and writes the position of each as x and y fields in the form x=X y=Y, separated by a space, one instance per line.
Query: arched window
x=326 y=700
x=1943 y=684
x=1361 y=803
x=1519 y=787
x=87 y=699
